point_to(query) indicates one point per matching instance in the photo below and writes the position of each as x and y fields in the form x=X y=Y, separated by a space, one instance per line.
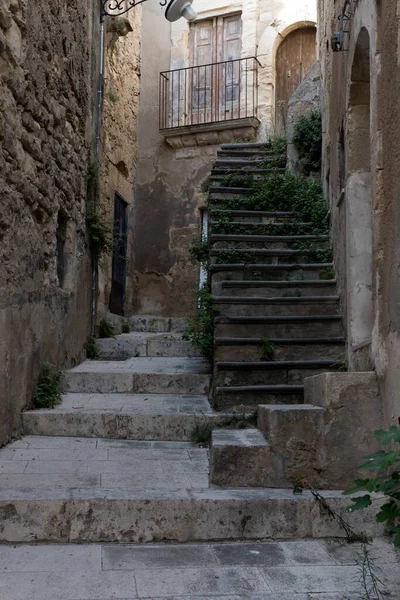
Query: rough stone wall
x=119 y=137
x=344 y=177
x=47 y=95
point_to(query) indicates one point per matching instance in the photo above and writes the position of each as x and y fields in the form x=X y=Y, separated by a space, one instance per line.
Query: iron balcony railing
x=211 y=93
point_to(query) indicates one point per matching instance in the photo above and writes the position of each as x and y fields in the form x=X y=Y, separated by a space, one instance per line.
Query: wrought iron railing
x=211 y=93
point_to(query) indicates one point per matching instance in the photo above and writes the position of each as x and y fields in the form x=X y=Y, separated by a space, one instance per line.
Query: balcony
x=209 y=104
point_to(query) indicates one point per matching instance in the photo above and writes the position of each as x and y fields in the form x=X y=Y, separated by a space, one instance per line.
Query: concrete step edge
x=268 y=267
x=280 y=284
x=247 y=237
x=235 y=341
x=269 y=389
x=281 y=364
x=249 y=300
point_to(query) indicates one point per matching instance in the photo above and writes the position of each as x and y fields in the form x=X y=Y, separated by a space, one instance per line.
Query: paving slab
x=180 y=571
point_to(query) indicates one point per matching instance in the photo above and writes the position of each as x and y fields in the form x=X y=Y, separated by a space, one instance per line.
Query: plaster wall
x=371 y=314
x=47 y=99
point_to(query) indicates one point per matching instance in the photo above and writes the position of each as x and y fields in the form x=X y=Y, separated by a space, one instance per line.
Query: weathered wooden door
x=294 y=58
x=118 y=284
x=230 y=73
x=214 y=88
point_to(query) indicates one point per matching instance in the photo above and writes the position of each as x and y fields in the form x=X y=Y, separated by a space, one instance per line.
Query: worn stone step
x=219 y=174
x=279 y=306
x=272 y=372
x=144 y=323
x=273 y=327
x=287 y=239
x=139 y=344
x=248 y=349
x=245 y=153
x=226 y=191
x=266 y=272
x=248 y=397
x=241 y=458
x=159 y=417
x=238 y=162
x=260 y=256
x=58 y=489
x=140 y=375
x=251 y=289
x=246 y=145
x=278 y=228
x=251 y=216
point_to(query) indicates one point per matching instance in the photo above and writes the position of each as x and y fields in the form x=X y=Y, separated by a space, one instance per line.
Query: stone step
x=168 y=417
x=81 y=490
x=219 y=174
x=274 y=327
x=245 y=153
x=266 y=272
x=274 y=372
x=150 y=324
x=266 y=239
x=251 y=216
x=240 y=458
x=226 y=191
x=273 y=227
x=246 y=145
x=251 y=289
x=140 y=375
x=143 y=344
x=248 y=397
x=237 y=306
x=238 y=162
x=248 y=459
x=248 y=349
x=264 y=256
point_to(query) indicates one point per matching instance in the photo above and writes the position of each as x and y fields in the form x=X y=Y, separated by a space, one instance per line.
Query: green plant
x=278 y=150
x=47 y=392
x=92 y=348
x=240 y=180
x=199 y=251
x=126 y=328
x=267 y=349
x=292 y=294
x=112 y=96
x=308 y=140
x=386 y=465
x=200 y=331
x=232 y=256
x=106 y=329
x=371 y=585
x=327 y=274
x=101 y=234
x=202 y=431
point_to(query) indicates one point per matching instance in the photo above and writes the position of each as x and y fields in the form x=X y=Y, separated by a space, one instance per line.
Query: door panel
x=118 y=285
x=202 y=52
x=231 y=50
x=294 y=58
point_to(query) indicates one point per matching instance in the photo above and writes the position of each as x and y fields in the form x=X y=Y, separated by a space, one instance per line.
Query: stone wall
x=47 y=93
x=119 y=137
x=361 y=163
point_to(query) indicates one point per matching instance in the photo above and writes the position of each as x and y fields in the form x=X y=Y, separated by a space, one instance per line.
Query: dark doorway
x=118 y=286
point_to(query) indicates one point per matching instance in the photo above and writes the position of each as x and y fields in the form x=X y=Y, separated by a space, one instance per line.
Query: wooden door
x=295 y=57
x=231 y=48
x=202 y=50
x=214 y=88
x=118 y=285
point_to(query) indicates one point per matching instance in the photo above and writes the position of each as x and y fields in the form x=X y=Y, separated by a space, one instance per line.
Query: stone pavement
x=302 y=570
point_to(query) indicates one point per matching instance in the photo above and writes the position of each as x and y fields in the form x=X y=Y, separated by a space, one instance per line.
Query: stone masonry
x=48 y=55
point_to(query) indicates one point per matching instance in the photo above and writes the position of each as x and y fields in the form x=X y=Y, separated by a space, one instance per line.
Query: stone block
x=292 y=432
x=226 y=136
x=207 y=138
x=242 y=458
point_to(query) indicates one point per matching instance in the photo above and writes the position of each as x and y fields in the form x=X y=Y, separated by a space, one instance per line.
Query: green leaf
x=397 y=537
x=359 y=487
x=389 y=512
x=386 y=437
x=360 y=502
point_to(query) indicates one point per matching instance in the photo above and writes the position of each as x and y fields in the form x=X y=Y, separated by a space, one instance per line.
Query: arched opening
x=359 y=209
x=294 y=58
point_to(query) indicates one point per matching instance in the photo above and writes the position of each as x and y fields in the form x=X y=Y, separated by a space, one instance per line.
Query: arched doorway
x=294 y=58
x=359 y=209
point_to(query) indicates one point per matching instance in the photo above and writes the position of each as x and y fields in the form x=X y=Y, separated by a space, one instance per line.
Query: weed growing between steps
x=200 y=331
x=47 y=393
x=106 y=329
x=126 y=328
x=92 y=349
x=267 y=349
x=202 y=432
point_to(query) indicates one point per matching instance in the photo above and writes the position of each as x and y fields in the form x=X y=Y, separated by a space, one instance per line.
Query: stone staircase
x=279 y=323
x=114 y=462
